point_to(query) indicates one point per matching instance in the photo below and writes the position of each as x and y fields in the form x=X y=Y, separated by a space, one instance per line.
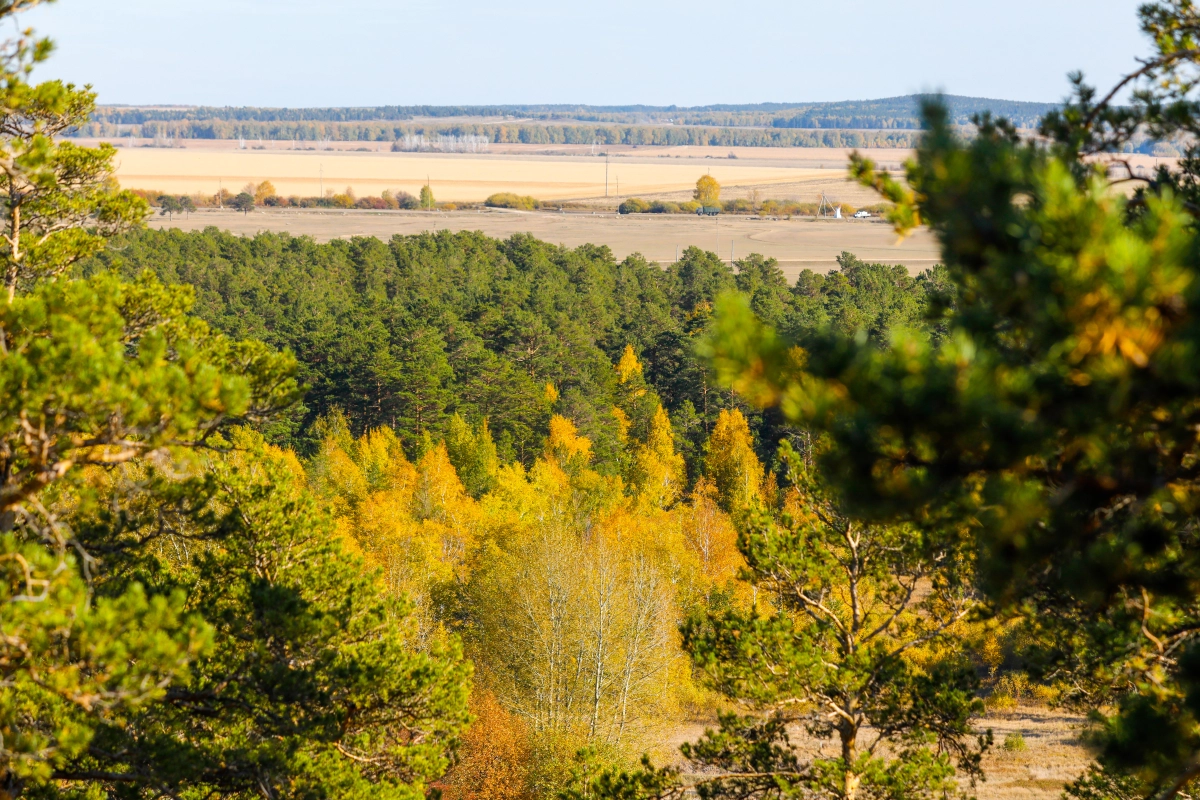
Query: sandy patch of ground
x=1053 y=757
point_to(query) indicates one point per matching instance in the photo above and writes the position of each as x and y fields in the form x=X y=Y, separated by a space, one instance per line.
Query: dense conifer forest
x=408 y=333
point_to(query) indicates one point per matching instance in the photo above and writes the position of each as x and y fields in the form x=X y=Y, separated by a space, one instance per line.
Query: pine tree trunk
x=849 y=736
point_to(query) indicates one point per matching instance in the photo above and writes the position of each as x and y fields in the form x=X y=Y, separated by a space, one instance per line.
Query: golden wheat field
x=460 y=177
x=547 y=172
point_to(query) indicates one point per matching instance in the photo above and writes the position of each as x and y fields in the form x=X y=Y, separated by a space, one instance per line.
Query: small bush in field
x=1015 y=743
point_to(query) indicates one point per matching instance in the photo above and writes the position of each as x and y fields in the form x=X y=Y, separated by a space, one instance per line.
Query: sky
x=299 y=53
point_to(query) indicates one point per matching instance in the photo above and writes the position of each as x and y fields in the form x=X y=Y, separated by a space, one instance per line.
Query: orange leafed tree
x=495 y=756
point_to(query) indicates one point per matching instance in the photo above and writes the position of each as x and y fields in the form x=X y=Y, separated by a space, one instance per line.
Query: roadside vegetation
x=748 y=206
x=515 y=201
x=264 y=195
x=707 y=196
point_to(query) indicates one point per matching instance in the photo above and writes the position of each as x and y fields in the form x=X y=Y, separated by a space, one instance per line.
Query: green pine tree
x=174 y=620
x=312 y=685
x=473 y=454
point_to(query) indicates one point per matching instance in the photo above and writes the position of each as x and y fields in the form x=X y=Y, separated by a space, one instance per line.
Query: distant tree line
x=890 y=122
x=500 y=133
x=886 y=113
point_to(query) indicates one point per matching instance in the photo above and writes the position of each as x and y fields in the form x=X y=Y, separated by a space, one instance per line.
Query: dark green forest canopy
x=408 y=332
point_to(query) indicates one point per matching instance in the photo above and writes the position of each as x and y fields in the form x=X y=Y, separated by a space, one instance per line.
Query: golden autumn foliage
x=263 y=191
x=708 y=191
x=731 y=464
x=415 y=523
x=567 y=585
x=575 y=609
x=659 y=472
x=565 y=444
x=628 y=368
x=623 y=424
x=709 y=533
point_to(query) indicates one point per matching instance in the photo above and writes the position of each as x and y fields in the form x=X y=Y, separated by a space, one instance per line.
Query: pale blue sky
x=658 y=52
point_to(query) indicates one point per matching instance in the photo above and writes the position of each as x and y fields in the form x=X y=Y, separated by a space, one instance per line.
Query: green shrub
x=406 y=201
x=664 y=207
x=634 y=205
x=1015 y=743
x=689 y=207
x=509 y=200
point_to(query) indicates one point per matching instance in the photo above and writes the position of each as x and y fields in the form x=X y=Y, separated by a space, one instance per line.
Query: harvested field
x=454 y=177
x=796 y=243
x=562 y=173
x=548 y=172
x=1054 y=755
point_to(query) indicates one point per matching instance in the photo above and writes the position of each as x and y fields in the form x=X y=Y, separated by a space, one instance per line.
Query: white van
x=861 y=214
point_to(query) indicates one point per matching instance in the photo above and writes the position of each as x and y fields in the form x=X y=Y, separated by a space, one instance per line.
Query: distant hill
x=902 y=112
x=893 y=113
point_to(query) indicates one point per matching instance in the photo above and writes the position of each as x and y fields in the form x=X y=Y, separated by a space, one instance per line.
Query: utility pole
x=606 y=174
x=322 y=180
x=220 y=192
x=731 y=245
